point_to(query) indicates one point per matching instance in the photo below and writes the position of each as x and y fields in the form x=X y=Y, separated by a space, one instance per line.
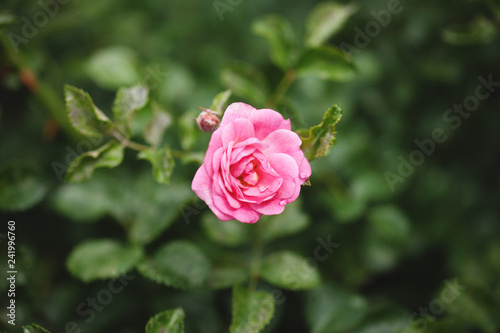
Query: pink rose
x=253 y=166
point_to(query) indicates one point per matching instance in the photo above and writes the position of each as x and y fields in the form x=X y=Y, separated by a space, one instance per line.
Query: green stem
x=47 y=96
x=281 y=88
x=130 y=144
x=255 y=262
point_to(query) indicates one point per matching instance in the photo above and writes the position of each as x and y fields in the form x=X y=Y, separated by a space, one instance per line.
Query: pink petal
x=284 y=165
x=266 y=121
x=282 y=141
x=271 y=207
x=244 y=214
x=247 y=215
x=288 y=189
x=238 y=130
x=202 y=186
x=304 y=170
x=235 y=111
x=213 y=146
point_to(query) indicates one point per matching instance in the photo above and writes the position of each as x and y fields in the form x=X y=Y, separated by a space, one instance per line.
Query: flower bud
x=208 y=120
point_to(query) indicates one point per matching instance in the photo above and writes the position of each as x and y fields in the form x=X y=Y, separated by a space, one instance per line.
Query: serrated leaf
x=278 y=32
x=245 y=81
x=170 y=321
x=288 y=270
x=325 y=62
x=228 y=233
x=291 y=221
x=251 y=311
x=179 y=264
x=152 y=208
x=325 y=20
x=154 y=130
x=85 y=117
x=479 y=31
x=81 y=168
x=127 y=102
x=113 y=67
x=162 y=161
x=220 y=100
x=318 y=139
x=21 y=186
x=136 y=201
x=102 y=259
x=331 y=310
x=34 y=328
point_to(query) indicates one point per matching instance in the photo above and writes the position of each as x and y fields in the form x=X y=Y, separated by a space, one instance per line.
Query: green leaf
x=318 y=139
x=325 y=20
x=219 y=102
x=228 y=233
x=245 y=81
x=102 y=259
x=278 y=32
x=170 y=321
x=152 y=208
x=113 y=68
x=81 y=168
x=468 y=306
x=179 y=264
x=144 y=207
x=154 y=130
x=479 y=31
x=227 y=275
x=85 y=117
x=385 y=323
x=251 y=311
x=34 y=328
x=343 y=205
x=162 y=161
x=325 y=62
x=454 y=324
x=288 y=270
x=290 y=222
x=21 y=186
x=6 y=20
x=331 y=310
x=127 y=102
x=389 y=222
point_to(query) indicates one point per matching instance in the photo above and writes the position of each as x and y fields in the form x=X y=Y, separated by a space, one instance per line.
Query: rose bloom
x=253 y=166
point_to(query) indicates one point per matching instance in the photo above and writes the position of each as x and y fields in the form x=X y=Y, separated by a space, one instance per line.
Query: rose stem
x=127 y=143
x=255 y=261
x=48 y=97
x=282 y=88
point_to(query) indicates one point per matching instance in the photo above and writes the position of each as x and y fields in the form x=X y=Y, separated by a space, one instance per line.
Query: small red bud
x=208 y=120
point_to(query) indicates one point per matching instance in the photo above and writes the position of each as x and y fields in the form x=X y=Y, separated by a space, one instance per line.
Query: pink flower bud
x=208 y=120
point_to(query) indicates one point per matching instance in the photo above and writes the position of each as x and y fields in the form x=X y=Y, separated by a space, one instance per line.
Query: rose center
x=249 y=177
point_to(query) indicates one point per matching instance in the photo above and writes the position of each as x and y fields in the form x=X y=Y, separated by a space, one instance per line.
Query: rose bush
x=253 y=166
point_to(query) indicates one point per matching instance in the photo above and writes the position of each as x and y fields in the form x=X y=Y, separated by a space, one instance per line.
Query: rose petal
x=272 y=207
x=282 y=141
x=202 y=186
x=304 y=170
x=235 y=111
x=237 y=131
x=244 y=214
x=284 y=165
x=266 y=121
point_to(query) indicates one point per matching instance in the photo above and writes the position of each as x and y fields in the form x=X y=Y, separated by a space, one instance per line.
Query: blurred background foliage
x=397 y=248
